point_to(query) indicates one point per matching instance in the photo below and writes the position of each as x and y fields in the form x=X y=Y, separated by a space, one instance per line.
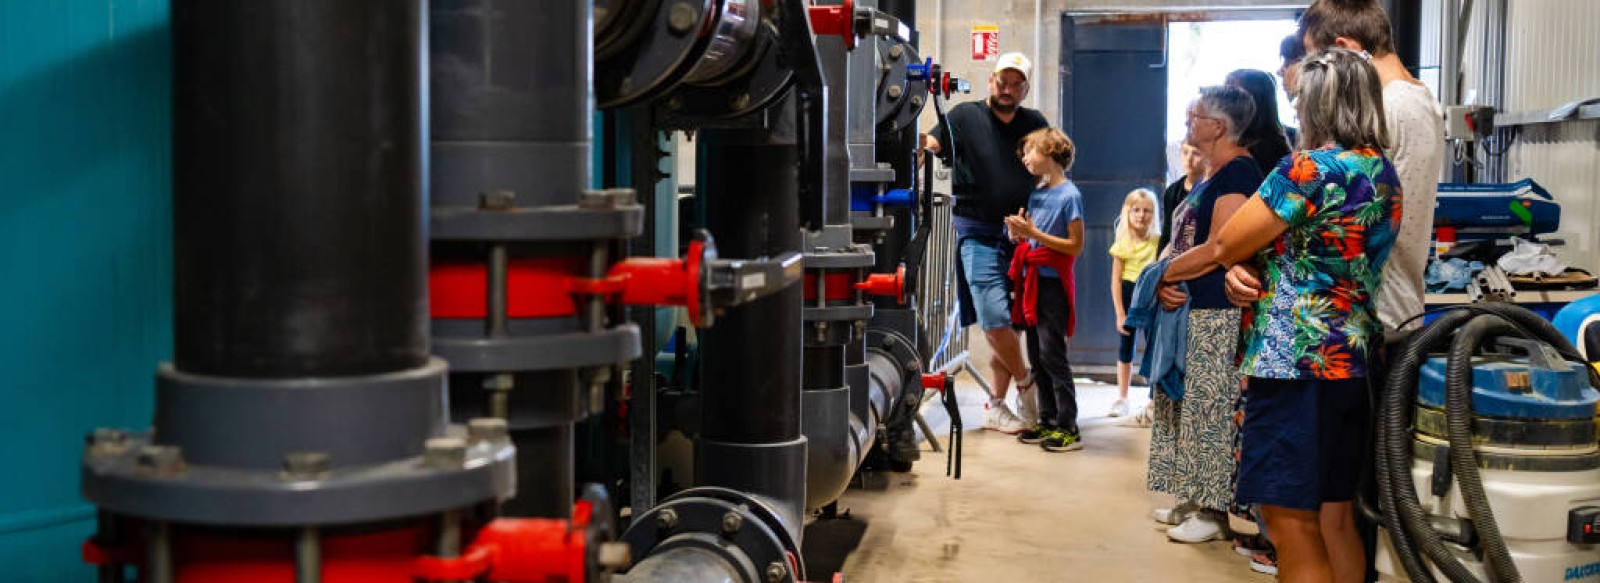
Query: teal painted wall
x=85 y=255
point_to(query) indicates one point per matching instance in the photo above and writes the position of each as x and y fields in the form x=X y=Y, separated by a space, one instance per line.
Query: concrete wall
x=1034 y=28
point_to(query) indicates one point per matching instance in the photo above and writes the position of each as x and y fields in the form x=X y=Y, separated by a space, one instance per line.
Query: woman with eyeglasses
x=1320 y=230
x=1192 y=433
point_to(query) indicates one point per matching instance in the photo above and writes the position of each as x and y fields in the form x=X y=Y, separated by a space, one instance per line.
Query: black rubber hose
x=1463 y=459
x=1409 y=529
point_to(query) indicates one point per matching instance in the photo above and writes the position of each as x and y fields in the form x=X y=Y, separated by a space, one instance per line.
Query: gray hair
x=1341 y=101
x=1232 y=105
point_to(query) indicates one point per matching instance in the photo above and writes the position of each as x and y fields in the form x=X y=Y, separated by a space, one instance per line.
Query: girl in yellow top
x=1137 y=233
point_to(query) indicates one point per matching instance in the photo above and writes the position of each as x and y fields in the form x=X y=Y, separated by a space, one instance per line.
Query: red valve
x=934 y=380
x=652 y=281
x=835 y=20
x=886 y=284
x=519 y=550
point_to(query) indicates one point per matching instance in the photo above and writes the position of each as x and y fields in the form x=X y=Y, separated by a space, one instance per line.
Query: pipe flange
x=659 y=56
x=542 y=352
x=552 y=223
x=900 y=98
x=152 y=481
x=750 y=92
x=742 y=529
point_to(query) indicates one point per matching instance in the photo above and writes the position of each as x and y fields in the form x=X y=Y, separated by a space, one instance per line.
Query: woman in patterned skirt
x=1191 y=442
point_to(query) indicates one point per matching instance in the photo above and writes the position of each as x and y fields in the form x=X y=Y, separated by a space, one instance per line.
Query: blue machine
x=1580 y=323
x=1496 y=211
x=1539 y=386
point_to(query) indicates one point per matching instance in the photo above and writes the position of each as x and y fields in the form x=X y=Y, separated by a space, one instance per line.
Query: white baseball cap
x=1016 y=61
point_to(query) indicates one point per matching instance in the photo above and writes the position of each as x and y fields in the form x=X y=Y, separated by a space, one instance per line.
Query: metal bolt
x=595 y=199
x=160 y=460
x=896 y=51
x=107 y=442
x=776 y=572
x=889 y=342
x=306 y=465
x=895 y=91
x=499 y=382
x=681 y=17
x=674 y=102
x=732 y=522
x=667 y=518
x=491 y=429
x=615 y=556
x=910 y=365
x=916 y=101
x=445 y=453
x=741 y=101
x=497 y=200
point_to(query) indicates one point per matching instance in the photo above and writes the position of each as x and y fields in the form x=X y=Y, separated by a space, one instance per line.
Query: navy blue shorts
x=1301 y=441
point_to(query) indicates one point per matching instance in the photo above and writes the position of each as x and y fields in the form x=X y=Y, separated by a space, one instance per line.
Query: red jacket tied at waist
x=1025 y=264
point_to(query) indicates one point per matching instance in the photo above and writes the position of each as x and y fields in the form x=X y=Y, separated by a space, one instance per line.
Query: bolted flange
x=162 y=461
x=445 y=453
x=306 y=465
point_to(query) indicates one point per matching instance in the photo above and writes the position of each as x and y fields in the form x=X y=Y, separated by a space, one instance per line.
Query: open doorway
x=1201 y=53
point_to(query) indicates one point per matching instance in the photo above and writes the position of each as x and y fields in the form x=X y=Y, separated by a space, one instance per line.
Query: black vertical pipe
x=297 y=188
x=752 y=355
x=750 y=400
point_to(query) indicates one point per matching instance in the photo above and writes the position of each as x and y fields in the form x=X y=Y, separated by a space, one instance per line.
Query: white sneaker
x=998 y=417
x=1119 y=408
x=1197 y=529
x=1028 y=407
x=1168 y=517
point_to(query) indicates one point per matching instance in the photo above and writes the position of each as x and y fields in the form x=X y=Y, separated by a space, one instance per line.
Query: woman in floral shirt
x=1320 y=229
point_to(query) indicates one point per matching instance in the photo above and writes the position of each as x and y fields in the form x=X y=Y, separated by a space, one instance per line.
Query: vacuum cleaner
x=1487 y=463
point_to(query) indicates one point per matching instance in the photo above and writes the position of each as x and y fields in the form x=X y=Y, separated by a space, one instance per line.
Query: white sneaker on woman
x=1197 y=529
x=1119 y=408
x=998 y=417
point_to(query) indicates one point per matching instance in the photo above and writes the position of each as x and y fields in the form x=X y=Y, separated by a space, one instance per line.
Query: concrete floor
x=1021 y=514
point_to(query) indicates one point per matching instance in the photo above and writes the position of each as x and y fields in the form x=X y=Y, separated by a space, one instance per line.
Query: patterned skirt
x=1192 y=442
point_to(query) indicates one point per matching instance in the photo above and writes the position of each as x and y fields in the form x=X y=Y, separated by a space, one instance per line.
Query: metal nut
x=445 y=453
x=895 y=91
x=667 y=518
x=911 y=365
x=107 y=442
x=916 y=101
x=615 y=556
x=776 y=572
x=896 y=51
x=497 y=200
x=491 y=429
x=732 y=522
x=306 y=465
x=740 y=101
x=160 y=460
x=681 y=17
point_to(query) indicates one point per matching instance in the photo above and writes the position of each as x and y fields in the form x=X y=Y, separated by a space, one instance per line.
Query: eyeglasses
x=1189 y=118
x=1004 y=85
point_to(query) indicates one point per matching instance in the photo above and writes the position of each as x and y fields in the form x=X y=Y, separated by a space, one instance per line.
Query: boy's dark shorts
x=1301 y=441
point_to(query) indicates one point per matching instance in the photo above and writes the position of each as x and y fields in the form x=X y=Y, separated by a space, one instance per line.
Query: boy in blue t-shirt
x=1049 y=234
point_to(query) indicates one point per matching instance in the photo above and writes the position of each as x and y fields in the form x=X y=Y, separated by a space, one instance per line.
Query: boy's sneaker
x=1028 y=406
x=1061 y=441
x=1035 y=434
x=1118 y=409
x=998 y=417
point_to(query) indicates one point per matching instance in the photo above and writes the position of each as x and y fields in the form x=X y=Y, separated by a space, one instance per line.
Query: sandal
x=1265 y=562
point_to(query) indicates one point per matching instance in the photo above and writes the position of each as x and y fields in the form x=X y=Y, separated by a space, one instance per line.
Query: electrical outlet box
x=1467 y=122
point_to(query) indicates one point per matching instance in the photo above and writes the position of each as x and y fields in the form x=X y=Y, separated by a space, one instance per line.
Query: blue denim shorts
x=1301 y=441
x=986 y=279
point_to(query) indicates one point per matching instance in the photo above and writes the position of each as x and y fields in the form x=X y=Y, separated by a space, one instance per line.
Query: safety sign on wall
x=985 y=42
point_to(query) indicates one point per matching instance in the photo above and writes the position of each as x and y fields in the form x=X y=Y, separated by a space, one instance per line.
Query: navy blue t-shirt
x=1243 y=176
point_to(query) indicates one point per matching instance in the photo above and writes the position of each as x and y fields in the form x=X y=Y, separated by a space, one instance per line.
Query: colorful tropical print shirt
x=1316 y=318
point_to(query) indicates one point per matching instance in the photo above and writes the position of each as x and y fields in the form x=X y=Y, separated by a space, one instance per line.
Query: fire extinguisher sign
x=985 y=43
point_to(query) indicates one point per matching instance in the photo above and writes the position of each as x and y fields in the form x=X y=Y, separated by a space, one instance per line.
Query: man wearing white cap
x=979 y=139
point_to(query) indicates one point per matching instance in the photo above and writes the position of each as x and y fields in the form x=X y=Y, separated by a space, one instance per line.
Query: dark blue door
x=1113 y=105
